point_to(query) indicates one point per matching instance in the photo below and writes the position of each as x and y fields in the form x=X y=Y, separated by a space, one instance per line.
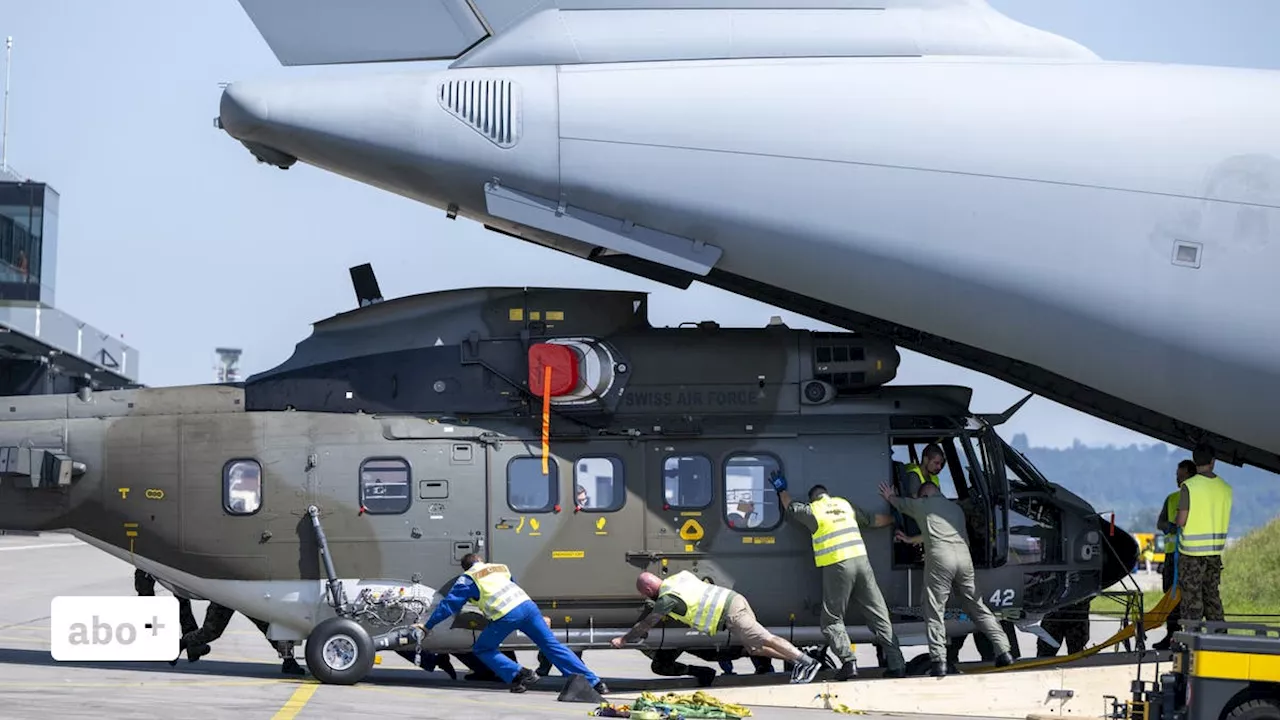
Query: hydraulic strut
x=337 y=598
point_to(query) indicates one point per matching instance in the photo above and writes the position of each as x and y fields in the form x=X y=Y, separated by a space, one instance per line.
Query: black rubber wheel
x=339 y=652
x=1255 y=710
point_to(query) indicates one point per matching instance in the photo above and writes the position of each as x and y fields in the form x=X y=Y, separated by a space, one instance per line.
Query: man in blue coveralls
x=507 y=608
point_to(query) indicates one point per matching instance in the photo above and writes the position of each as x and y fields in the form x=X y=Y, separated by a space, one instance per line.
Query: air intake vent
x=490 y=107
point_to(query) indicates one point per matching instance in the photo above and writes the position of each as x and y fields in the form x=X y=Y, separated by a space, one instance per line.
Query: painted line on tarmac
x=297 y=701
x=42 y=546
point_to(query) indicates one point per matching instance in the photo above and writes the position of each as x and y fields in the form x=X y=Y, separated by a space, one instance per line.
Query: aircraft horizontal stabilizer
x=490 y=33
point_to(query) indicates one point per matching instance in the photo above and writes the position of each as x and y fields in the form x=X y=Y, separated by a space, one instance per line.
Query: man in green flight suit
x=947 y=564
x=838 y=549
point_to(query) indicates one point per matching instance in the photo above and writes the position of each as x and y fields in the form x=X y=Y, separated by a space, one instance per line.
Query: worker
x=507 y=608
x=1068 y=625
x=216 y=618
x=1165 y=524
x=717 y=608
x=932 y=461
x=836 y=528
x=1203 y=518
x=144 y=584
x=947 y=565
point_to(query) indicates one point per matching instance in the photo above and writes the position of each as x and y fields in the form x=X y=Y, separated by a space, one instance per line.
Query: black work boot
x=601 y=688
x=938 y=669
x=1004 y=660
x=703 y=674
x=895 y=672
x=847 y=671
x=524 y=680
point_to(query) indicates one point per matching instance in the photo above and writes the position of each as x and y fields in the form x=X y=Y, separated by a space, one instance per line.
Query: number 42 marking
x=1001 y=598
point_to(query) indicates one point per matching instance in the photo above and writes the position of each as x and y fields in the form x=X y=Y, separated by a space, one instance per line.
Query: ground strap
x=1154 y=618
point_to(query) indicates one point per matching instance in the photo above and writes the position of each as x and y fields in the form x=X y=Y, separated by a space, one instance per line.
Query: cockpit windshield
x=1021 y=473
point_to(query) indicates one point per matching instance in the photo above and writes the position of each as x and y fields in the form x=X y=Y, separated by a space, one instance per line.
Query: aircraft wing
x=481 y=33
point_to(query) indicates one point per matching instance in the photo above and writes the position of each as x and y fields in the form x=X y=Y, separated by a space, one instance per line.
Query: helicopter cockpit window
x=750 y=502
x=384 y=486
x=528 y=490
x=686 y=482
x=598 y=484
x=242 y=487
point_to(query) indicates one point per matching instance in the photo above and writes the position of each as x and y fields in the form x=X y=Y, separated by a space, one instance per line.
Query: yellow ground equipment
x=1223 y=671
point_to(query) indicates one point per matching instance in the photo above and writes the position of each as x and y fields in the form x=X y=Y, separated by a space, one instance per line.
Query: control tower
x=42 y=349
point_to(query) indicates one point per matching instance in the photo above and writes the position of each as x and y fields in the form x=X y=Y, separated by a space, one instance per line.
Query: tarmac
x=242 y=677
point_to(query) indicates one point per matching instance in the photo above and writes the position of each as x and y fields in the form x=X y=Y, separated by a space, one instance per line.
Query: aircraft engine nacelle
x=583 y=373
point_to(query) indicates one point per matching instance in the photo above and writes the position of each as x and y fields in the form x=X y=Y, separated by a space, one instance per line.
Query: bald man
x=710 y=609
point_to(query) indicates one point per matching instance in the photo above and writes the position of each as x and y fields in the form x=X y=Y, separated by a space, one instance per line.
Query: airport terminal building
x=42 y=349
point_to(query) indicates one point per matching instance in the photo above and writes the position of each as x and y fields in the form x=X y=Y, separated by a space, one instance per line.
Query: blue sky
x=172 y=236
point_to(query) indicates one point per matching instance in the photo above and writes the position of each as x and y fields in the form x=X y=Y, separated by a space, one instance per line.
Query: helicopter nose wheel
x=339 y=652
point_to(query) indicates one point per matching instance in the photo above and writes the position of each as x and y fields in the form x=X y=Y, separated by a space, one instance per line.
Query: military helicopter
x=334 y=495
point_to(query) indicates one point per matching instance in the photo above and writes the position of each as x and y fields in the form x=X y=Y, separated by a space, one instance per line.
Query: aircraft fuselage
x=1100 y=233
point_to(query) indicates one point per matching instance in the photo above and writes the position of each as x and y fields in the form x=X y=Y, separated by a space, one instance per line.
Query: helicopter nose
x=1121 y=553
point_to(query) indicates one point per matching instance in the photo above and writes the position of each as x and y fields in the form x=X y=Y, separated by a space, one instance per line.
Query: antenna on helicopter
x=365 y=284
x=994 y=419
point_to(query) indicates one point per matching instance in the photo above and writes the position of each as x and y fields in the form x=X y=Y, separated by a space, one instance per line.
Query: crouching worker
x=709 y=609
x=507 y=608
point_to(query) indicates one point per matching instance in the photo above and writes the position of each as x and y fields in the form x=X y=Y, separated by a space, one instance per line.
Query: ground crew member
x=1067 y=625
x=216 y=618
x=145 y=585
x=932 y=462
x=507 y=608
x=838 y=549
x=947 y=564
x=1204 y=515
x=1165 y=524
x=709 y=609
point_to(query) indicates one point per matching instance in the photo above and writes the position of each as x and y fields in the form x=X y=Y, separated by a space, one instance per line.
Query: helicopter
x=554 y=430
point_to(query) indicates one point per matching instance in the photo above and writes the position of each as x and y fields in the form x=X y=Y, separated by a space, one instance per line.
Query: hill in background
x=1133 y=481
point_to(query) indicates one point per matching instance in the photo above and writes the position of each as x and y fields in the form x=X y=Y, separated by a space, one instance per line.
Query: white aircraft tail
x=489 y=33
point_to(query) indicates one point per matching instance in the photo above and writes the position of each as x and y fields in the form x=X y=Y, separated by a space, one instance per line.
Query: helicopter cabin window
x=528 y=490
x=686 y=482
x=242 y=487
x=384 y=486
x=750 y=502
x=598 y=484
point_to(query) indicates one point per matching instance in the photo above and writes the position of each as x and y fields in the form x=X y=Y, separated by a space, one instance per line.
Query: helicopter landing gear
x=339 y=652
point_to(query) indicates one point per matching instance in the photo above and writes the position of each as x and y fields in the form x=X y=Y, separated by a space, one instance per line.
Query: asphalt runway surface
x=241 y=677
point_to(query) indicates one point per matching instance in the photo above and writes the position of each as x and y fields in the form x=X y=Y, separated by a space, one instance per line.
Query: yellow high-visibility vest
x=1171 y=514
x=919 y=472
x=704 y=603
x=1208 y=518
x=838 y=536
x=498 y=594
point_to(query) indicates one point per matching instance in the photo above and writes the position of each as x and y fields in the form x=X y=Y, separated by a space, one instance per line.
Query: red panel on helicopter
x=563 y=362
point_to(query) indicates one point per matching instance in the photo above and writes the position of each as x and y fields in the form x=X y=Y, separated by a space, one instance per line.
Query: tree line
x=1133 y=481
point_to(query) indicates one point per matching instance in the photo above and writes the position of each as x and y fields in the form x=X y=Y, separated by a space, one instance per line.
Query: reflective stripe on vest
x=498 y=594
x=919 y=472
x=1208 y=517
x=1171 y=514
x=838 y=536
x=704 y=603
